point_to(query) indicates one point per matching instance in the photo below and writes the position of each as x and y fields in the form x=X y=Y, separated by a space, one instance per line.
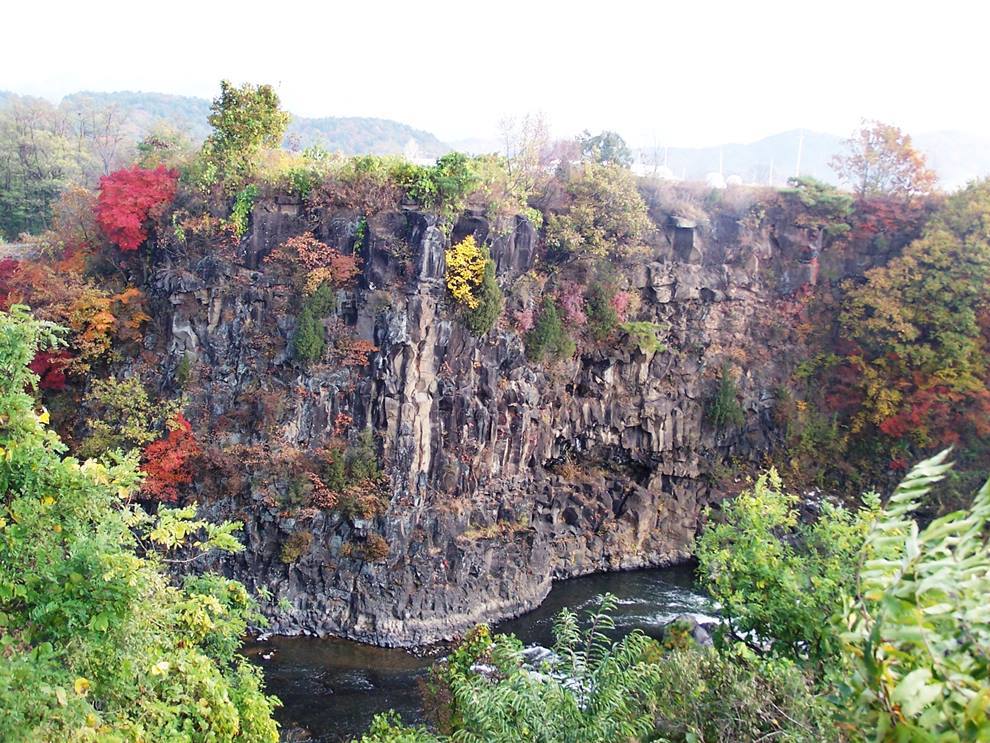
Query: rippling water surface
x=333 y=688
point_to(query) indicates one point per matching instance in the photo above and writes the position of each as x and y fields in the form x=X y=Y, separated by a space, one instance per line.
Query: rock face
x=502 y=475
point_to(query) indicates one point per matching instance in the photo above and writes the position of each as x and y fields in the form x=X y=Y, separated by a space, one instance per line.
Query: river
x=332 y=688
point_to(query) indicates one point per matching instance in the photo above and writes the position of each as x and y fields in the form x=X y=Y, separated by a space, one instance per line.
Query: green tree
x=245 y=120
x=548 y=339
x=723 y=408
x=37 y=161
x=482 y=318
x=309 y=341
x=606 y=148
x=604 y=216
x=778 y=577
x=97 y=642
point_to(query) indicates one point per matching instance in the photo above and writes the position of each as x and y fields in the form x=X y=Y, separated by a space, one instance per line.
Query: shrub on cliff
x=600 y=309
x=482 y=318
x=548 y=339
x=604 y=215
x=645 y=336
x=470 y=279
x=168 y=462
x=97 y=642
x=309 y=341
x=723 y=409
x=464 y=271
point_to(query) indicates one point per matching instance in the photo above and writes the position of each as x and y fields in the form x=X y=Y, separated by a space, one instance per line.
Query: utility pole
x=797 y=169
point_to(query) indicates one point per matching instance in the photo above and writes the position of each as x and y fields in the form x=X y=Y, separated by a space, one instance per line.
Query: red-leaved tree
x=167 y=462
x=50 y=367
x=129 y=198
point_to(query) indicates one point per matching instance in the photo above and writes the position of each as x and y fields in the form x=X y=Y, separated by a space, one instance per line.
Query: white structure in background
x=650 y=167
x=413 y=154
x=734 y=180
x=650 y=170
x=715 y=180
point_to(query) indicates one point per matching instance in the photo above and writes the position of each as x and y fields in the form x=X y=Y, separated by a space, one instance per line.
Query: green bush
x=482 y=318
x=607 y=697
x=309 y=342
x=548 y=340
x=723 y=409
x=705 y=694
x=444 y=186
x=605 y=215
x=97 y=642
x=645 y=336
x=602 y=317
x=778 y=577
x=600 y=690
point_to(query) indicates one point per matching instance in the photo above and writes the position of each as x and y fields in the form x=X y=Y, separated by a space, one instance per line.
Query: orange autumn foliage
x=309 y=254
x=96 y=318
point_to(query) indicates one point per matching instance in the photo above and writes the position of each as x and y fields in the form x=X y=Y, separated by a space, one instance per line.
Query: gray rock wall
x=502 y=475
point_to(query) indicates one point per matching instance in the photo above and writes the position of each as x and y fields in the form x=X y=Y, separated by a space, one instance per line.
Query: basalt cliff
x=498 y=475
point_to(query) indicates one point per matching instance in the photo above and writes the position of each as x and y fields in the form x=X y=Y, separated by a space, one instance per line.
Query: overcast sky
x=685 y=72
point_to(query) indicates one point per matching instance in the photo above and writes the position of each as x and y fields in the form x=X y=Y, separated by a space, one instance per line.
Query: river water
x=332 y=688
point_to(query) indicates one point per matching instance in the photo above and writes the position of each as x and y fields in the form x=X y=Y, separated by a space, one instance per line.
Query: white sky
x=686 y=72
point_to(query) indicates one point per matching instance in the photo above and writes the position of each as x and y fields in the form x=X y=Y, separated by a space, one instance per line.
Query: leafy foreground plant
x=96 y=643
x=598 y=690
x=779 y=580
x=916 y=645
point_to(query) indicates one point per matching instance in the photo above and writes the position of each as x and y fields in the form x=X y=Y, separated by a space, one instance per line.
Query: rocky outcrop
x=502 y=475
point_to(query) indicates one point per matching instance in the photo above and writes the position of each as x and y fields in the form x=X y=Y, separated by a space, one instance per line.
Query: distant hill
x=957 y=157
x=354 y=135
x=350 y=135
